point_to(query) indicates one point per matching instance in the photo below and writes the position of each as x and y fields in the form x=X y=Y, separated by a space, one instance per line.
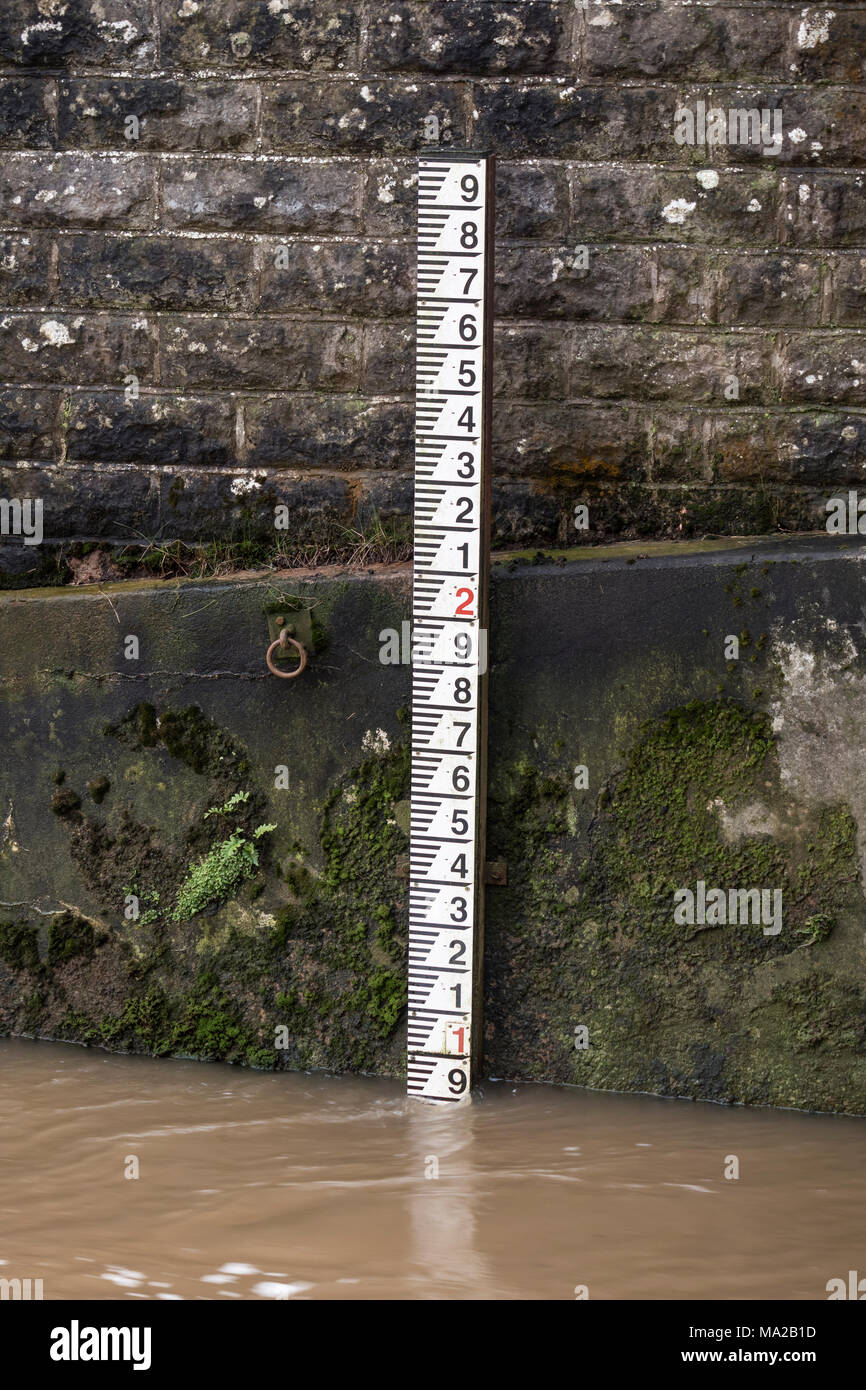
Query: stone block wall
x=207 y=216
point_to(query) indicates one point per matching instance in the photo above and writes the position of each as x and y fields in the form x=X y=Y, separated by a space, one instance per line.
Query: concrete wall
x=634 y=752
x=637 y=277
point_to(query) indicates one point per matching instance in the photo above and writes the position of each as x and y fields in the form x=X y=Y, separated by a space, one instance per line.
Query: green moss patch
x=192 y=963
x=345 y=931
x=585 y=935
x=19 y=945
x=69 y=937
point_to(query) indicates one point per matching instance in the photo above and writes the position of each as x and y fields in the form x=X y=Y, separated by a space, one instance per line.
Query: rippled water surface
x=260 y=1185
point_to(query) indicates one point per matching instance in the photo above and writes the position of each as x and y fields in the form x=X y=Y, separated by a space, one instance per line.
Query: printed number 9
x=457 y=1082
x=469 y=186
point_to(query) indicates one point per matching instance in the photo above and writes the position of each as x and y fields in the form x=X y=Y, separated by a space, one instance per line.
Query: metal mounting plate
x=296 y=622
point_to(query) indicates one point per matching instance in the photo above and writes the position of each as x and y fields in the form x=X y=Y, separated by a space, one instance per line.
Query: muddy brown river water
x=258 y=1185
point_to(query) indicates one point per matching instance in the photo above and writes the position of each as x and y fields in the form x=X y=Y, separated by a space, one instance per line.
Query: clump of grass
x=328 y=542
x=379 y=542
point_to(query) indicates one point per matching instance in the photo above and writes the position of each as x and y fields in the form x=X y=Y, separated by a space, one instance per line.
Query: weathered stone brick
x=734 y=446
x=638 y=123
x=272 y=195
x=551 y=282
x=156 y=272
x=819 y=125
x=823 y=449
x=25 y=562
x=341 y=277
x=532 y=200
x=28 y=424
x=710 y=206
x=368 y=117
x=198 y=504
x=667 y=41
x=521 y=119
x=77 y=349
x=24 y=268
x=333 y=432
x=685 y=285
x=524 y=513
x=817 y=367
x=247 y=33
x=531 y=362
x=824 y=209
x=762 y=450
x=105 y=428
x=472 y=37
x=745 y=448
x=828 y=46
x=770 y=288
x=385 y=496
x=848 y=279
x=77 y=189
x=102 y=33
x=662 y=364
x=389 y=359
x=678 y=449
x=25 y=112
x=391 y=198
x=823 y=125
x=171 y=115
x=83 y=502
x=829 y=447
x=580 y=443
x=284 y=354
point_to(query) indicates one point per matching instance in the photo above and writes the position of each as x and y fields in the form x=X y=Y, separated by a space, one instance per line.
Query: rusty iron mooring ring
x=282 y=641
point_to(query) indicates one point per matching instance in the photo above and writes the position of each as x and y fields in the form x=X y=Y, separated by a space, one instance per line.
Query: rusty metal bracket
x=495 y=872
x=296 y=623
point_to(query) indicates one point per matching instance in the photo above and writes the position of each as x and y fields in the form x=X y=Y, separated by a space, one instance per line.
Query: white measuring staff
x=449 y=618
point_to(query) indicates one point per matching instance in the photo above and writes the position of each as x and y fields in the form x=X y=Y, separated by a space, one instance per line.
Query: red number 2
x=466 y=604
